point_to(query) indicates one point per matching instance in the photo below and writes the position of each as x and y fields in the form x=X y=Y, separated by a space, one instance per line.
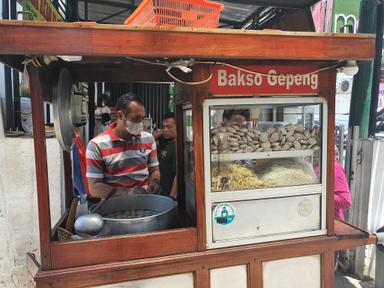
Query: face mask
x=134 y=128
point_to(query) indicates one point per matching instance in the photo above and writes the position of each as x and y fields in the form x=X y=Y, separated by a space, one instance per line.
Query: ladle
x=92 y=223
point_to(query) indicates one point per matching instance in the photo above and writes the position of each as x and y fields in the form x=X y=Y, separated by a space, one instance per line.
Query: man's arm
x=99 y=189
x=154 y=174
x=154 y=180
x=154 y=171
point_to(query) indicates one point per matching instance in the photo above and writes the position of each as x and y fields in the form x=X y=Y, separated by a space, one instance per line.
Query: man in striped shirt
x=123 y=157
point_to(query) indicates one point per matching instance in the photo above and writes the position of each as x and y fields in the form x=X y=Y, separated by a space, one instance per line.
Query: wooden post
x=41 y=165
x=255 y=274
x=91 y=109
x=199 y=93
x=328 y=270
x=331 y=152
x=180 y=157
x=202 y=278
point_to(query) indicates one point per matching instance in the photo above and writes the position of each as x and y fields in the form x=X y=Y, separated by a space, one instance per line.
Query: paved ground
x=348 y=281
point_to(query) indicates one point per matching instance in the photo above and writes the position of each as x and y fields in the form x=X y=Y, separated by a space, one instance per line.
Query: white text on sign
x=273 y=79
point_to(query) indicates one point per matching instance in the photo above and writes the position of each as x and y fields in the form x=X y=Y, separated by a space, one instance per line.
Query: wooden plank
x=74 y=39
x=344 y=244
x=183 y=263
x=346 y=230
x=41 y=166
x=91 y=279
x=119 y=248
x=199 y=93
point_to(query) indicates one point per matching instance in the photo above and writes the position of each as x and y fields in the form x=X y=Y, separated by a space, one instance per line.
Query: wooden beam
x=120 y=271
x=42 y=38
x=67 y=254
x=41 y=166
x=349 y=231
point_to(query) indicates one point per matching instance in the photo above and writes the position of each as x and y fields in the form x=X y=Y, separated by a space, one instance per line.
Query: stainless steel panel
x=278 y=216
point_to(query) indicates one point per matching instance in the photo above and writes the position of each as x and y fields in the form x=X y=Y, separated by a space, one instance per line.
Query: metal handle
x=102 y=202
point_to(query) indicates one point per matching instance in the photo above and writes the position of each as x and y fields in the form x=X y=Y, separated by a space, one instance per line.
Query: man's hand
x=154 y=187
x=157 y=134
x=137 y=190
x=123 y=191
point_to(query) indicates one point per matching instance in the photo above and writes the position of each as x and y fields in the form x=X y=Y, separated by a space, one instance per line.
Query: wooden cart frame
x=118 y=259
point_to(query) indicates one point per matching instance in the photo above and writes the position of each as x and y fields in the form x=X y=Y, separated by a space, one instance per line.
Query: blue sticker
x=224 y=214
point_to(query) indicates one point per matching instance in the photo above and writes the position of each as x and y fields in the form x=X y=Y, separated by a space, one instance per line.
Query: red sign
x=264 y=80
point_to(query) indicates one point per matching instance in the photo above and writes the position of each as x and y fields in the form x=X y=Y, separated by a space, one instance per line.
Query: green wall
x=346 y=7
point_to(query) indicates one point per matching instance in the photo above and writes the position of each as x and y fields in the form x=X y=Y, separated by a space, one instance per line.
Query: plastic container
x=176 y=13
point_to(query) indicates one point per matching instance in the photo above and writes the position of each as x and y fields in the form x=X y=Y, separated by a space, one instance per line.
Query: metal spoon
x=91 y=224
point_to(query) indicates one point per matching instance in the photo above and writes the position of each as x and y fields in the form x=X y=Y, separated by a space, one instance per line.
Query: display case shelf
x=261 y=155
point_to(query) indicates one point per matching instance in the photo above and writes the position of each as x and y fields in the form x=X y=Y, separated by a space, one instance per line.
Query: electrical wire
x=169 y=66
x=34 y=61
x=186 y=82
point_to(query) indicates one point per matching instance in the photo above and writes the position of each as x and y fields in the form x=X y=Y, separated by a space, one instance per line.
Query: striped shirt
x=121 y=163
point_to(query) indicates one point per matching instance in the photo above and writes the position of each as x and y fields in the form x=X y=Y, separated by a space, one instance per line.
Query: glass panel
x=265 y=146
x=189 y=161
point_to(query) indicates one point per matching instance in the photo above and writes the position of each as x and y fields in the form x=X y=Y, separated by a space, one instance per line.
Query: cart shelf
x=261 y=155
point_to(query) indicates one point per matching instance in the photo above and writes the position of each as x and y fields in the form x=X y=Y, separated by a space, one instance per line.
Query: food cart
x=255 y=198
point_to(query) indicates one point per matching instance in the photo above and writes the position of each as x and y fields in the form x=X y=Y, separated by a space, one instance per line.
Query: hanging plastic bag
x=24 y=83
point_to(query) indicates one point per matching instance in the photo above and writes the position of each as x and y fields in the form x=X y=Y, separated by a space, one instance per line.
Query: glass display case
x=265 y=165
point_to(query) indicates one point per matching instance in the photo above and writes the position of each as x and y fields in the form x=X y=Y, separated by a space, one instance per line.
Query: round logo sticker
x=305 y=207
x=224 y=214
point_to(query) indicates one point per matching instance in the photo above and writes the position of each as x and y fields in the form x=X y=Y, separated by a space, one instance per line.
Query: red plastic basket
x=176 y=13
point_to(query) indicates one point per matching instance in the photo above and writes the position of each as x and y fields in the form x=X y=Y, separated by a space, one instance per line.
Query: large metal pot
x=163 y=208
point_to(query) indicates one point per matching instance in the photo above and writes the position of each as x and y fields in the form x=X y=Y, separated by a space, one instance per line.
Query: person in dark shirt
x=166 y=152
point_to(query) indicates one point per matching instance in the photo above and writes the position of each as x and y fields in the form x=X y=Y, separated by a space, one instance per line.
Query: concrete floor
x=349 y=281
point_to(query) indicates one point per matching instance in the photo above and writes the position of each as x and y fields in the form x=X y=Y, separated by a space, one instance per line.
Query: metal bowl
x=162 y=208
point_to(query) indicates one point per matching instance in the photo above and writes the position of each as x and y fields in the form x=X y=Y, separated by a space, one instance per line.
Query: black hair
x=169 y=115
x=229 y=113
x=124 y=101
